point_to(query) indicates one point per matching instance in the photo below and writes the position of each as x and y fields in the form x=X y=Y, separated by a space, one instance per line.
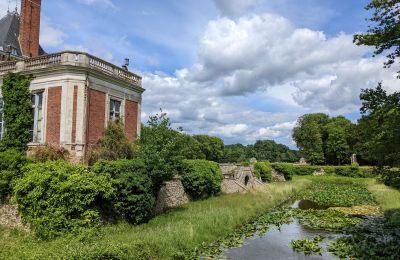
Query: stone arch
x=246 y=180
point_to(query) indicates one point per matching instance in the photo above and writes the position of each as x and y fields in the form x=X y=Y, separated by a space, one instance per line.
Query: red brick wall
x=74 y=109
x=131 y=120
x=30 y=27
x=97 y=109
x=53 y=116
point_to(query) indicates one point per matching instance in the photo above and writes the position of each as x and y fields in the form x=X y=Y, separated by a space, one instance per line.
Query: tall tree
x=211 y=146
x=379 y=127
x=384 y=34
x=338 y=139
x=310 y=136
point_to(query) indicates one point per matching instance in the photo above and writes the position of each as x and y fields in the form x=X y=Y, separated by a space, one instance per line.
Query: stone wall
x=239 y=178
x=9 y=217
x=171 y=194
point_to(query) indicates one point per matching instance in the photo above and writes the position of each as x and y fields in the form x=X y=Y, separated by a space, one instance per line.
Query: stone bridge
x=238 y=178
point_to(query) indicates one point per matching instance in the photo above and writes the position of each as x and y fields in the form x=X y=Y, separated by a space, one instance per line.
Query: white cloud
x=50 y=35
x=263 y=56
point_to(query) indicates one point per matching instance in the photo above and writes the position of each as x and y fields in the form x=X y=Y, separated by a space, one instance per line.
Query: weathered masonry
x=74 y=94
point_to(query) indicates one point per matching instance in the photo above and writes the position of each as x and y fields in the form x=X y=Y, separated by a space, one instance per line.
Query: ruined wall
x=9 y=217
x=239 y=178
x=171 y=194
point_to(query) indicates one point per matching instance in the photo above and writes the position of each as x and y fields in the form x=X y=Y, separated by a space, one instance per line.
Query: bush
x=201 y=178
x=133 y=199
x=354 y=171
x=263 y=170
x=11 y=163
x=57 y=197
x=49 y=153
x=114 y=145
x=391 y=177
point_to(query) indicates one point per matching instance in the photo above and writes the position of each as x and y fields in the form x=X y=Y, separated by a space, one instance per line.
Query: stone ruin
x=239 y=178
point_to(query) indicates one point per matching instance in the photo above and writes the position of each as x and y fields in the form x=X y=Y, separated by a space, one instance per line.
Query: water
x=274 y=244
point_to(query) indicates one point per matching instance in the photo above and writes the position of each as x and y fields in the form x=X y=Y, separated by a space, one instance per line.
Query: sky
x=240 y=70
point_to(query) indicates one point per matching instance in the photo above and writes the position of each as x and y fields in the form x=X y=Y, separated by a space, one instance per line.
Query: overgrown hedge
x=56 y=197
x=263 y=170
x=354 y=171
x=133 y=199
x=391 y=177
x=11 y=164
x=201 y=178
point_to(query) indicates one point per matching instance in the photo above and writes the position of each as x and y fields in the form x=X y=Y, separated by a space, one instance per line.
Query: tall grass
x=387 y=197
x=179 y=230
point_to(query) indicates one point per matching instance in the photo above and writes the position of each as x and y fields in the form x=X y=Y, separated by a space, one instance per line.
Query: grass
x=178 y=231
x=387 y=197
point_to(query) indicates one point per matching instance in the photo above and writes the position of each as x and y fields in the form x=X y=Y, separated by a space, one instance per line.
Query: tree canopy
x=384 y=34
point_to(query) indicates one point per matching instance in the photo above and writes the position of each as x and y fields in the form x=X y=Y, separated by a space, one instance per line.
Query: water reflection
x=274 y=244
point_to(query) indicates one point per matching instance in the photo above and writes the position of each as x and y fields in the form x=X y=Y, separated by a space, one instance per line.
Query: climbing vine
x=17 y=112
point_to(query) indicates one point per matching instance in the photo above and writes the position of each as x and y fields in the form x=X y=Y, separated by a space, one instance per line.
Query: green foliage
x=212 y=147
x=49 y=153
x=325 y=219
x=163 y=149
x=133 y=199
x=309 y=136
x=338 y=194
x=378 y=129
x=11 y=164
x=113 y=145
x=384 y=34
x=345 y=171
x=271 y=151
x=201 y=178
x=391 y=177
x=264 y=170
x=17 y=112
x=234 y=153
x=57 y=197
x=337 y=143
x=307 y=246
x=372 y=239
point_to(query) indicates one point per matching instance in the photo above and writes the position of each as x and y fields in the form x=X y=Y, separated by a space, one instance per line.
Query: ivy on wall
x=17 y=112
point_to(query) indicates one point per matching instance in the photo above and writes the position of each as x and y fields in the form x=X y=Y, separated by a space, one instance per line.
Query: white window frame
x=112 y=117
x=2 y=126
x=37 y=138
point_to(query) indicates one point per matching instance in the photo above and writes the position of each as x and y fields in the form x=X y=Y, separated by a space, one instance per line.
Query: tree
x=378 y=129
x=234 y=153
x=271 y=151
x=337 y=143
x=385 y=33
x=17 y=112
x=310 y=136
x=211 y=146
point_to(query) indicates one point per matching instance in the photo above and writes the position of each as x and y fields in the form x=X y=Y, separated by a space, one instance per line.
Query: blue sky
x=241 y=70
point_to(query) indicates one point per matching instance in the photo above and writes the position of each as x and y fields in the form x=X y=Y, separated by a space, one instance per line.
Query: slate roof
x=9 y=32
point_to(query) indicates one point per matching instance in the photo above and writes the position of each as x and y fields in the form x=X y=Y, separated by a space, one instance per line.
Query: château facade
x=74 y=94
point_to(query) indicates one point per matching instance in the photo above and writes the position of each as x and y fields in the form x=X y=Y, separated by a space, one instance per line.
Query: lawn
x=180 y=230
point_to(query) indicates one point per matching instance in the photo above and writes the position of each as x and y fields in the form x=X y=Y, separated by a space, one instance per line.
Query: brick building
x=74 y=94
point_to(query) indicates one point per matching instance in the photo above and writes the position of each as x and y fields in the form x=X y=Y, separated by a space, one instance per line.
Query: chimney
x=29 y=28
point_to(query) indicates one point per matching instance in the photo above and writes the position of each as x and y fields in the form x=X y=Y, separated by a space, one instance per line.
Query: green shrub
x=264 y=171
x=11 y=163
x=391 y=177
x=57 y=197
x=49 y=153
x=201 y=178
x=347 y=171
x=133 y=199
x=114 y=145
